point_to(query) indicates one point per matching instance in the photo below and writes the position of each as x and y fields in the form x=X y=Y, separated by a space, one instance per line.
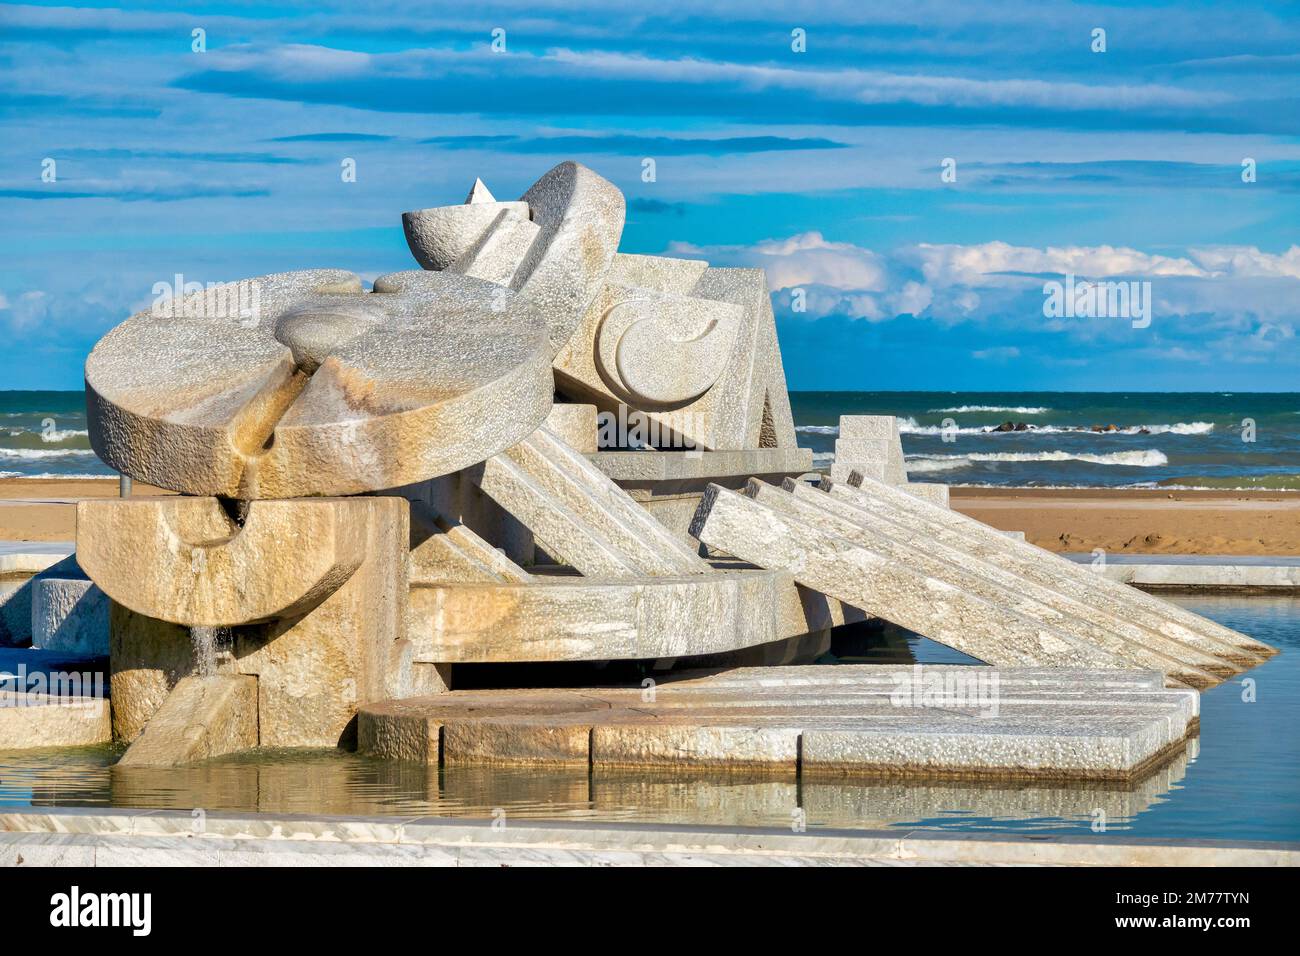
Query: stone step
x=1060 y=574
x=28 y=722
x=888 y=581
x=580 y=515
x=1138 y=645
x=856 y=675
x=1104 y=731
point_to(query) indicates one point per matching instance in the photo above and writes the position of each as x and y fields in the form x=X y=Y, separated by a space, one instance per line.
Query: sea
x=1176 y=440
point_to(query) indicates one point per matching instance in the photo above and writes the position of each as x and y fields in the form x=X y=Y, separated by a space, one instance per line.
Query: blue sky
x=823 y=166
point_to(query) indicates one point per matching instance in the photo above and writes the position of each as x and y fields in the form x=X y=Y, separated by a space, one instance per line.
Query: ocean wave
x=823 y=458
x=70 y=476
x=1147 y=458
x=58 y=435
x=44 y=452
x=1017 y=409
x=910 y=427
x=818 y=429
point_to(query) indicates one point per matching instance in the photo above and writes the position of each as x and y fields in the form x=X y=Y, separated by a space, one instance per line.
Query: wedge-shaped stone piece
x=1133 y=643
x=202 y=717
x=320 y=388
x=204 y=569
x=581 y=217
x=1057 y=573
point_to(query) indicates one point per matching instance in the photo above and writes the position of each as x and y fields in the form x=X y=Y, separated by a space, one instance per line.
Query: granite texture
x=323 y=389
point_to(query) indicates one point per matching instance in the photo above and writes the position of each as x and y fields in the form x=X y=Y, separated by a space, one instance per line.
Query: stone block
x=575 y=425
x=313 y=667
x=32 y=721
x=202 y=717
x=880 y=427
x=69 y=613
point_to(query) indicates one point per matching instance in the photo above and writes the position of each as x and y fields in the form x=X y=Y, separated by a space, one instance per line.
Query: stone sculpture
x=376 y=487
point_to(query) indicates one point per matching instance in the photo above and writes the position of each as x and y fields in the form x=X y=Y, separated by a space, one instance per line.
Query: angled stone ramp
x=579 y=515
x=889 y=581
x=1059 y=574
x=807 y=721
x=458 y=554
x=1137 y=645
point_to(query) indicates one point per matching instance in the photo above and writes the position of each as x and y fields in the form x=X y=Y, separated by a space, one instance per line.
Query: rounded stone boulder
x=302 y=384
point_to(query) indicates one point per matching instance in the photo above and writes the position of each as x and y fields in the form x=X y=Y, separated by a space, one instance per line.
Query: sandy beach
x=1141 y=521
x=1120 y=521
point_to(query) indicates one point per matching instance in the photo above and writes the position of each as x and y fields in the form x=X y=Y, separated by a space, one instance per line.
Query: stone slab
x=578 y=514
x=30 y=721
x=558 y=618
x=1055 y=572
x=889 y=582
x=1138 y=645
x=638 y=466
x=813 y=720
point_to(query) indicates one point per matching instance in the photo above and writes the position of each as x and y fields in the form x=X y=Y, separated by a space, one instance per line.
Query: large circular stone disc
x=301 y=384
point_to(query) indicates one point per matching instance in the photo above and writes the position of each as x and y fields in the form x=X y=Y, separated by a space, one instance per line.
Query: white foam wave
x=52 y=474
x=910 y=427
x=1016 y=409
x=44 y=452
x=818 y=429
x=1147 y=458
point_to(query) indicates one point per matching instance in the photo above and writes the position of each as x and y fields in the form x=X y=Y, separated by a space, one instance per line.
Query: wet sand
x=1121 y=521
x=1141 y=521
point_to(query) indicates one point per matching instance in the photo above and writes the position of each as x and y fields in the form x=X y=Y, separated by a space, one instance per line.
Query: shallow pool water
x=1239 y=781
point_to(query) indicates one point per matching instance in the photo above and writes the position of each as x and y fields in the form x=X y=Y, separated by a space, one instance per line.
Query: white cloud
x=1001 y=353
x=805 y=259
x=973 y=265
x=1248 y=261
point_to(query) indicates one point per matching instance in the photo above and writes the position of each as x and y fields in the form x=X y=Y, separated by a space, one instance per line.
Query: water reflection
x=1237 y=781
x=333 y=782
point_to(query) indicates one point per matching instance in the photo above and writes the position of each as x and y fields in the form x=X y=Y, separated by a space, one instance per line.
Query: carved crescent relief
x=665 y=350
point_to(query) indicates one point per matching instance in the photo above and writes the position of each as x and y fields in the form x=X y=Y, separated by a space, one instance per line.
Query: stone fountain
x=536 y=448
